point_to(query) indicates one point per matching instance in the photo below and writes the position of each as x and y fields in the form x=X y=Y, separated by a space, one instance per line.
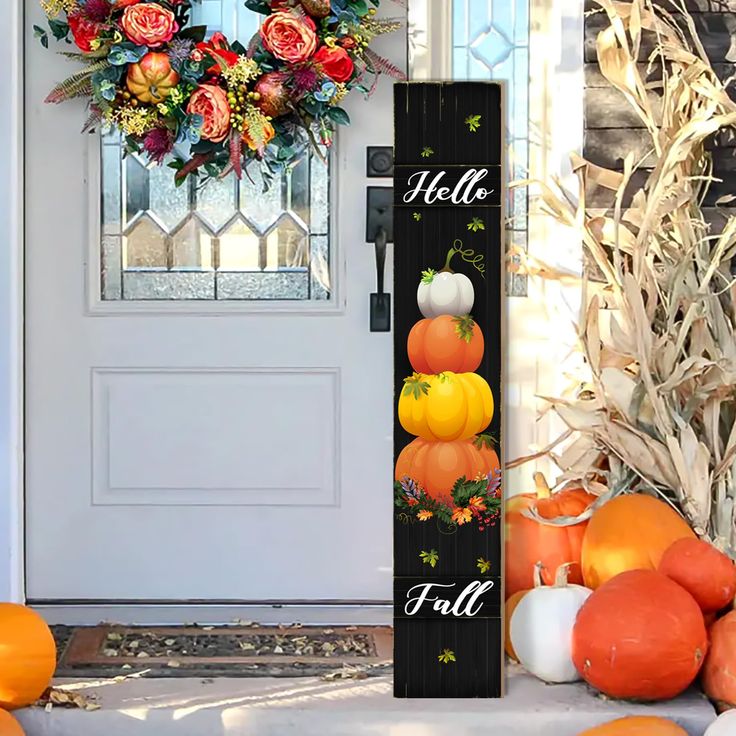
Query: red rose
x=335 y=62
x=124 y=3
x=148 y=24
x=219 y=49
x=210 y=101
x=289 y=37
x=84 y=31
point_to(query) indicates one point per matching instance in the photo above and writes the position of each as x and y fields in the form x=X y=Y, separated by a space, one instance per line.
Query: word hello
x=467 y=603
x=465 y=191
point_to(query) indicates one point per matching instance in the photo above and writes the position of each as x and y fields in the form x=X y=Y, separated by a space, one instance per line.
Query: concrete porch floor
x=309 y=706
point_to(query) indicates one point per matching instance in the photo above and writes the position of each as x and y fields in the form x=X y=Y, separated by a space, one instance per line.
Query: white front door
x=208 y=415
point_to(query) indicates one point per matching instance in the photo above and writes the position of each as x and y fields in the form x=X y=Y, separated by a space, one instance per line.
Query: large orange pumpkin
x=705 y=572
x=27 y=656
x=529 y=542
x=639 y=636
x=9 y=726
x=511 y=604
x=445 y=343
x=719 y=670
x=435 y=466
x=152 y=78
x=630 y=532
x=637 y=726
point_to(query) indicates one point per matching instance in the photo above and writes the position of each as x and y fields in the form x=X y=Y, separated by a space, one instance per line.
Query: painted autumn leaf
x=427 y=152
x=429 y=558
x=461 y=515
x=476 y=224
x=417 y=216
x=446 y=656
x=483 y=565
x=424 y=515
x=473 y=122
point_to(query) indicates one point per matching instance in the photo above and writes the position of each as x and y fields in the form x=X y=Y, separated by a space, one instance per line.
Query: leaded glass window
x=226 y=240
x=490 y=40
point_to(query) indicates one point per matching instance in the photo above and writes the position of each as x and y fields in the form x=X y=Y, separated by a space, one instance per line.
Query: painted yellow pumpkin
x=152 y=78
x=448 y=406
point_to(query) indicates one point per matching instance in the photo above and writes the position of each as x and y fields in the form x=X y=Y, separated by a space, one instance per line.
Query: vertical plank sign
x=447 y=331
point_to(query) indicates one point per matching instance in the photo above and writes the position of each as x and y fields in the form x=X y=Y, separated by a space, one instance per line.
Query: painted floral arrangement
x=161 y=81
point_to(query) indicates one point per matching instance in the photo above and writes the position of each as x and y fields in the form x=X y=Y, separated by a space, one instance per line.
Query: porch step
x=309 y=706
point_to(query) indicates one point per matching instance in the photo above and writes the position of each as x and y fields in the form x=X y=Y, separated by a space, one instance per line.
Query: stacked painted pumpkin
x=445 y=404
x=638 y=627
x=27 y=662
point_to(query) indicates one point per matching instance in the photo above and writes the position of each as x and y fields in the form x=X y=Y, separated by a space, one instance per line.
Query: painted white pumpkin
x=725 y=725
x=541 y=627
x=445 y=293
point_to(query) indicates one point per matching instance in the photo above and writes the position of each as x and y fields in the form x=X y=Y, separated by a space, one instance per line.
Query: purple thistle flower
x=97 y=10
x=179 y=50
x=304 y=80
x=158 y=143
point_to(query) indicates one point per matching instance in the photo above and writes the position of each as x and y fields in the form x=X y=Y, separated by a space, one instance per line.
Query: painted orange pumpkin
x=152 y=78
x=719 y=680
x=529 y=542
x=9 y=726
x=511 y=604
x=705 y=572
x=435 y=466
x=27 y=656
x=629 y=532
x=637 y=726
x=624 y=646
x=445 y=343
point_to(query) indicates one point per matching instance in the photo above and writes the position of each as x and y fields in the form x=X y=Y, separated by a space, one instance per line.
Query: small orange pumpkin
x=630 y=532
x=529 y=542
x=705 y=572
x=511 y=604
x=445 y=343
x=9 y=726
x=719 y=670
x=27 y=656
x=152 y=78
x=637 y=726
x=435 y=466
x=623 y=646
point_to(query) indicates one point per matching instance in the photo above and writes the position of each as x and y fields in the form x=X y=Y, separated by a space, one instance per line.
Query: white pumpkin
x=541 y=627
x=445 y=293
x=725 y=725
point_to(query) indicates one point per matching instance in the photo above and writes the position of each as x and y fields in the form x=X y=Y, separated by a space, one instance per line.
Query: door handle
x=380 y=301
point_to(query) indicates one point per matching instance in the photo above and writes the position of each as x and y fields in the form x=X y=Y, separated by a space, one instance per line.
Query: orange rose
x=289 y=37
x=270 y=133
x=124 y=3
x=210 y=101
x=148 y=24
x=335 y=62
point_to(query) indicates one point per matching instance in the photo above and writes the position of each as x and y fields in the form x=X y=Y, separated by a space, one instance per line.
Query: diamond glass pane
x=490 y=40
x=227 y=239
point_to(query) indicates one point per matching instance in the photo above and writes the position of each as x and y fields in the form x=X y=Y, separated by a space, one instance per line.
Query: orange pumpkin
x=719 y=670
x=637 y=726
x=705 y=572
x=529 y=542
x=511 y=604
x=435 y=466
x=630 y=532
x=152 y=78
x=9 y=726
x=445 y=343
x=27 y=656
x=639 y=636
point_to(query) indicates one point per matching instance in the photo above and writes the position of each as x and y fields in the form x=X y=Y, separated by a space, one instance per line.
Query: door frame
x=12 y=587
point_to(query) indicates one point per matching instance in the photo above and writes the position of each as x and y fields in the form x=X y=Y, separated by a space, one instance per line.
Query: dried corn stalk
x=658 y=409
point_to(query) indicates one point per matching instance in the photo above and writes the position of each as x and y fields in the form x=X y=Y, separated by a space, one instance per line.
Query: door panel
x=187 y=449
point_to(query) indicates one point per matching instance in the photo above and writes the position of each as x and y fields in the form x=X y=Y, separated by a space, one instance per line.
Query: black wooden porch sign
x=448 y=192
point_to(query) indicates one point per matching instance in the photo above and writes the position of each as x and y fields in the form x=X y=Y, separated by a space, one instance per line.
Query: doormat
x=222 y=651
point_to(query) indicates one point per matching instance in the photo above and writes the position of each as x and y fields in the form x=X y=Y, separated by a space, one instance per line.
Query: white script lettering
x=466 y=191
x=466 y=604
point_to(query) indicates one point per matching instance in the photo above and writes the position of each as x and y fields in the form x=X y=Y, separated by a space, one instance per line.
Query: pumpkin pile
x=633 y=619
x=27 y=661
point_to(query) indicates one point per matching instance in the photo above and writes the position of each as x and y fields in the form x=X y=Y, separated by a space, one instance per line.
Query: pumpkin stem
x=538 y=574
x=543 y=489
x=562 y=573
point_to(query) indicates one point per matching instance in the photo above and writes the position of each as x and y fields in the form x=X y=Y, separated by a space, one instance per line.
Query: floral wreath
x=162 y=82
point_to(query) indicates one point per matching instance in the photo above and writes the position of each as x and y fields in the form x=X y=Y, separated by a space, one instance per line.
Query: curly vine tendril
x=476 y=260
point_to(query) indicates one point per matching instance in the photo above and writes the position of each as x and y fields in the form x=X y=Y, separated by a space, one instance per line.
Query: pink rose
x=210 y=101
x=148 y=24
x=289 y=37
